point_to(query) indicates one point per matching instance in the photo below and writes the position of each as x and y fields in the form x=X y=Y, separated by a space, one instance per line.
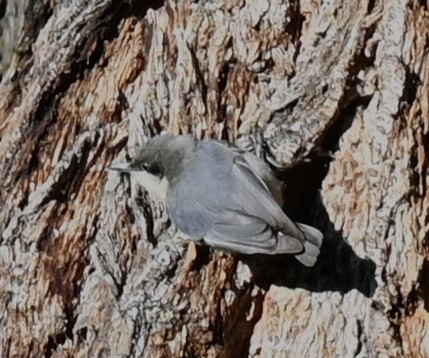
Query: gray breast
x=203 y=190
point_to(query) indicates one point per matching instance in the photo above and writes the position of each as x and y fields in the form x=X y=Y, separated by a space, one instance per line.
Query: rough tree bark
x=337 y=93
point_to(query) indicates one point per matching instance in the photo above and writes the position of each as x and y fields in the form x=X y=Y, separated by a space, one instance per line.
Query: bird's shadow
x=338 y=268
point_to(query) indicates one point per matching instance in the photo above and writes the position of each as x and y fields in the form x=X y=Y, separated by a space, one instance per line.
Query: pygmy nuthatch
x=220 y=195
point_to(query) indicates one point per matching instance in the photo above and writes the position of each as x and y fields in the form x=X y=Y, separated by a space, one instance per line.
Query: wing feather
x=256 y=199
x=251 y=226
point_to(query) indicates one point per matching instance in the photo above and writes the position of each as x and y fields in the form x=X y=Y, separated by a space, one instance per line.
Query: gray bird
x=220 y=195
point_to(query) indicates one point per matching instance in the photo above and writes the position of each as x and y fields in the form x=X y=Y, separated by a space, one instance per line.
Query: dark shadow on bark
x=338 y=267
x=140 y=8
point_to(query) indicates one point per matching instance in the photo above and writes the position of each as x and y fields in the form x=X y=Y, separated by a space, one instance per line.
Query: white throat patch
x=157 y=188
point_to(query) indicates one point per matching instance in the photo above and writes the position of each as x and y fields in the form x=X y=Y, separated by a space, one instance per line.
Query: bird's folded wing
x=238 y=232
x=250 y=223
x=254 y=198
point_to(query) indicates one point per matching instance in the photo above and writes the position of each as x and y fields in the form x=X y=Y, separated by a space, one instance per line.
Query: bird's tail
x=313 y=242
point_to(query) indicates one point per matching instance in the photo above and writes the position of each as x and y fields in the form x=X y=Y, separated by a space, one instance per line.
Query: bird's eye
x=155 y=169
x=143 y=166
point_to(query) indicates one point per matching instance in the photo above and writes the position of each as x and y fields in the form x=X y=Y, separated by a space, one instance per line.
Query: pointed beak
x=120 y=167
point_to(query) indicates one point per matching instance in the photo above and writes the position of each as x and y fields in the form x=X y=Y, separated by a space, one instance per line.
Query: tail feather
x=313 y=242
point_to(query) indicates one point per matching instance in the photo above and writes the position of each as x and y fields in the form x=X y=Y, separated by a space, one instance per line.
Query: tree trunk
x=334 y=94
